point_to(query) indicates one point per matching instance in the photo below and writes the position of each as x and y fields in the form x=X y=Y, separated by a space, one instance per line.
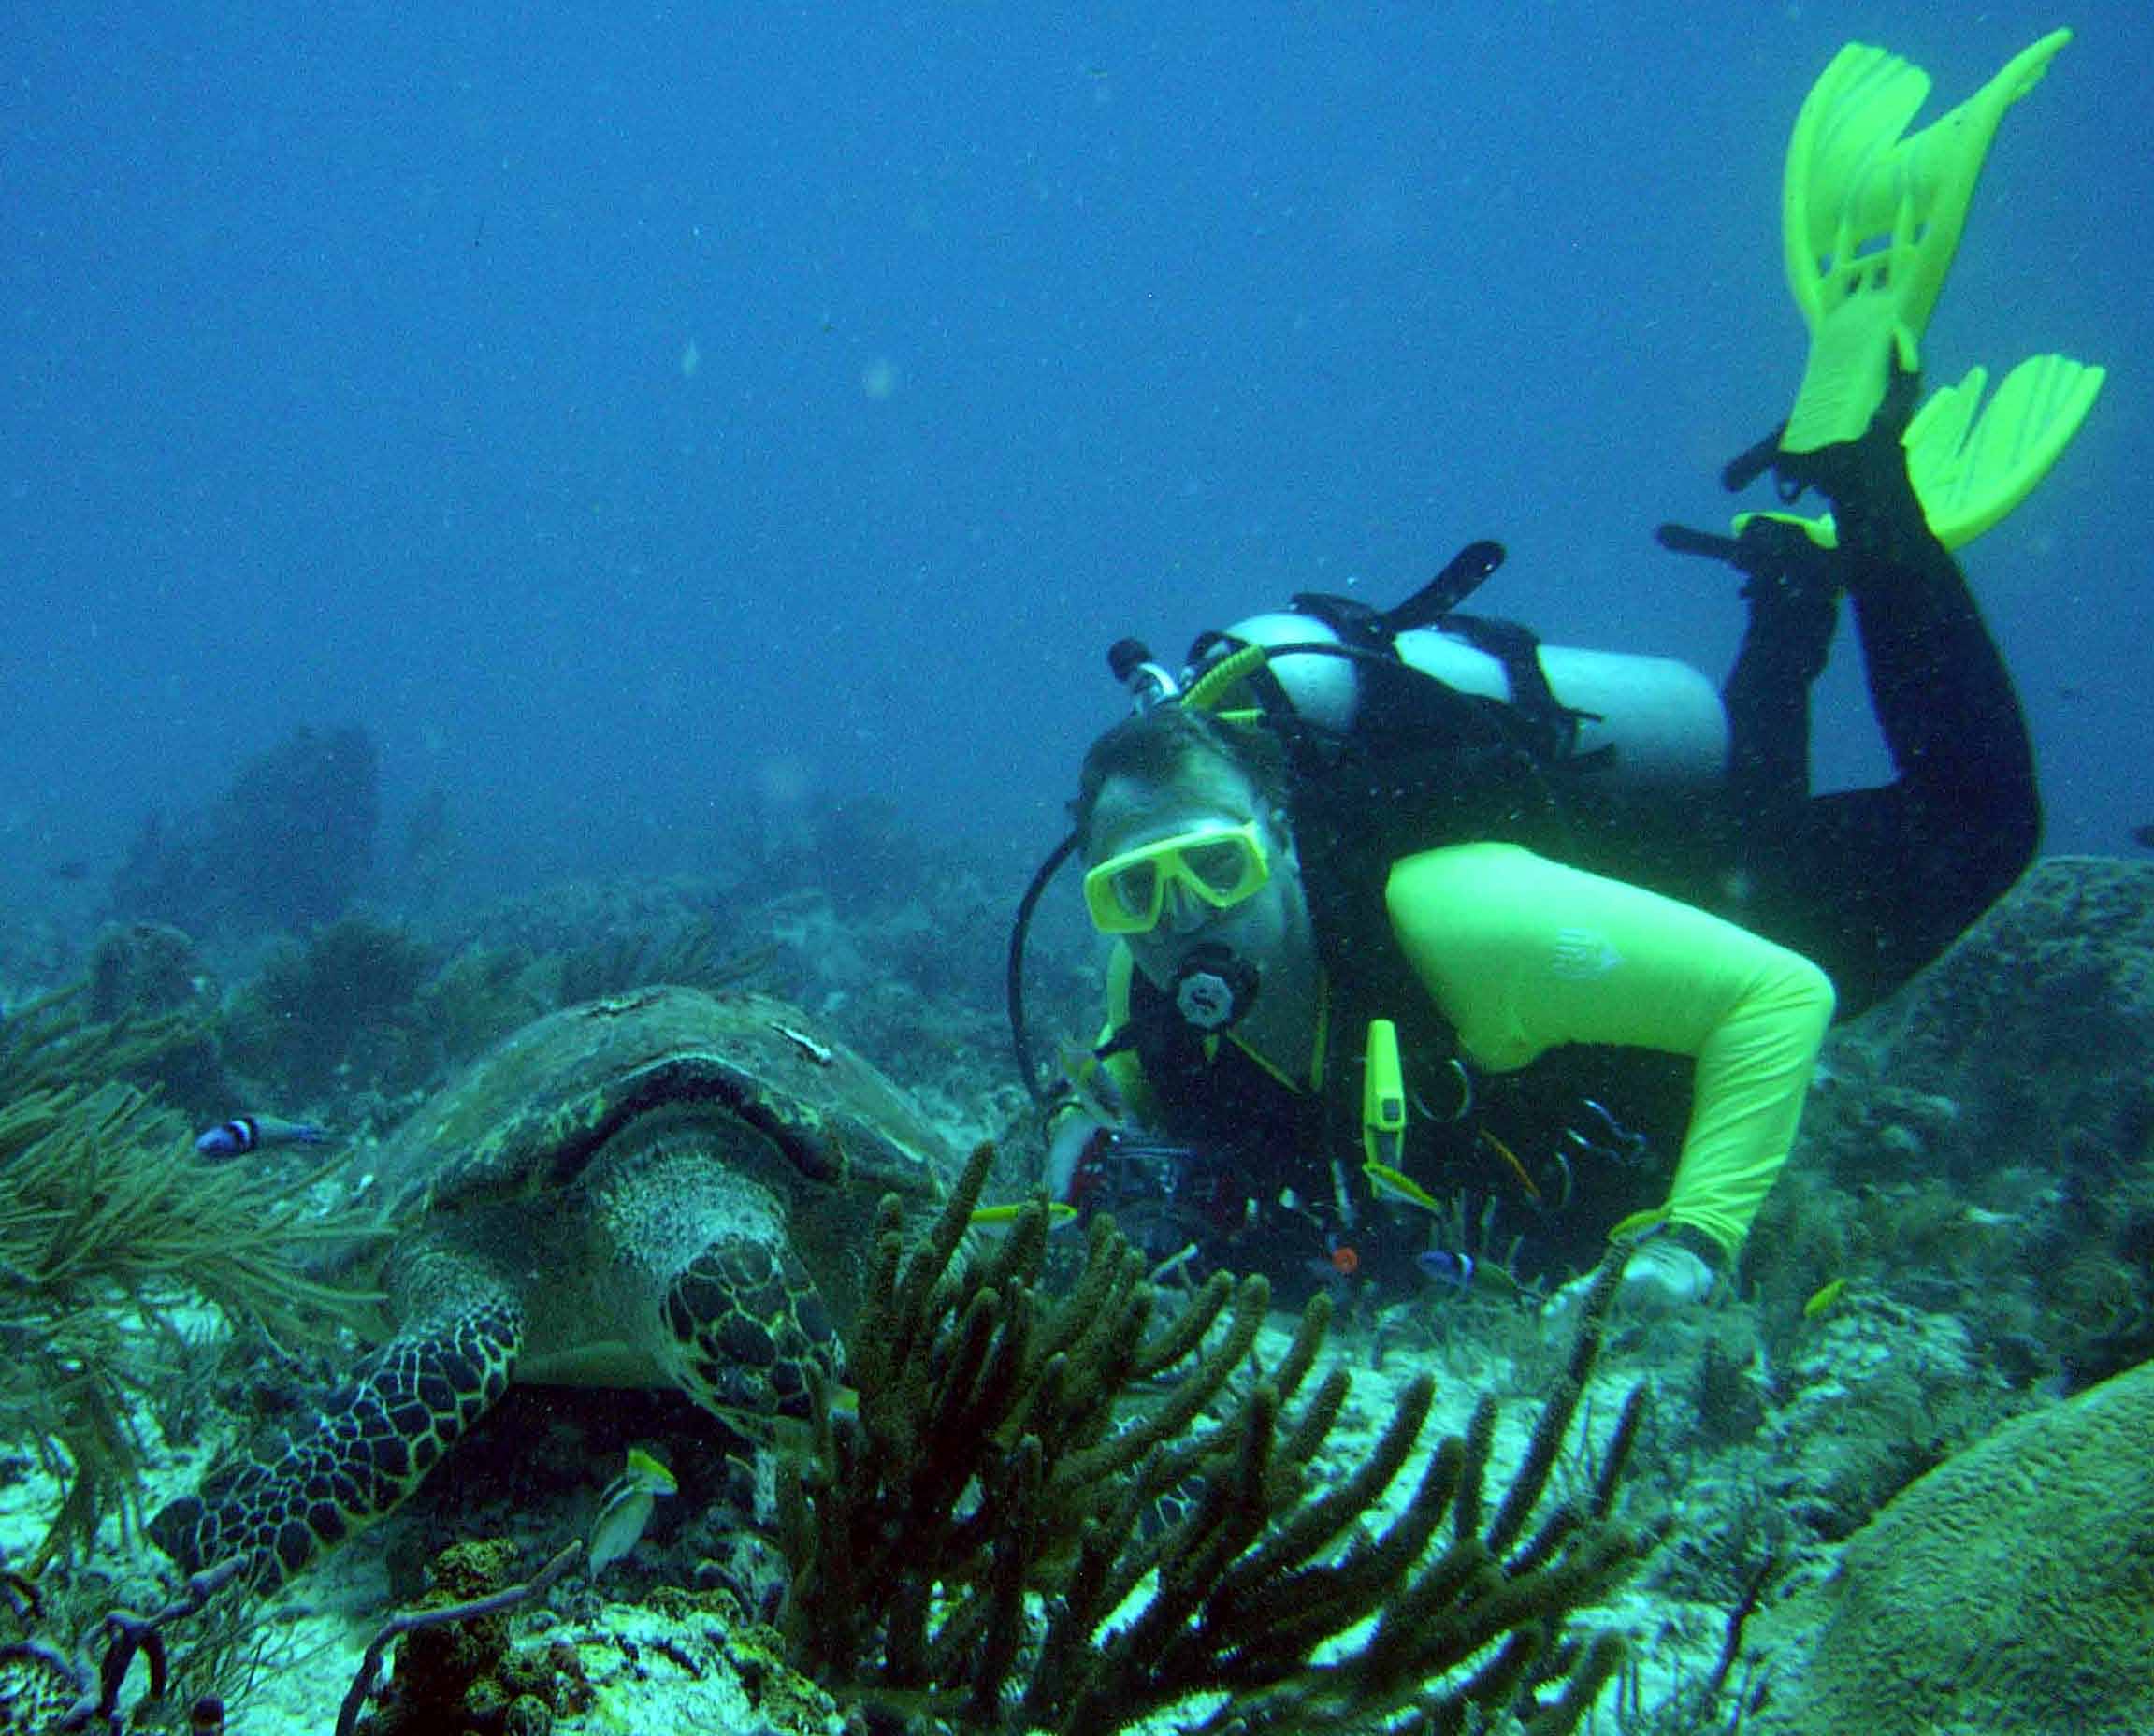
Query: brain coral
x=2012 y=1588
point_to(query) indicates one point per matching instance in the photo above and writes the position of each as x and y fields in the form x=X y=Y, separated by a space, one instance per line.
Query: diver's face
x=1208 y=795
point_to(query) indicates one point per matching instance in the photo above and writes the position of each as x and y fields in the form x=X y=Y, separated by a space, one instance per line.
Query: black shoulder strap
x=1370 y=978
x=1355 y=623
x=1552 y=725
x=1518 y=649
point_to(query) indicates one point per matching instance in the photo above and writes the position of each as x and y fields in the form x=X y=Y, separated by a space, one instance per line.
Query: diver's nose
x=1181 y=914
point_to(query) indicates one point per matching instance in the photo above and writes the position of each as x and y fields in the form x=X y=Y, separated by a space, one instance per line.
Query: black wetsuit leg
x=1794 y=598
x=1874 y=884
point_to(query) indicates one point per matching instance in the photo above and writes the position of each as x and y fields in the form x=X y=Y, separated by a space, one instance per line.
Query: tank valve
x=1148 y=683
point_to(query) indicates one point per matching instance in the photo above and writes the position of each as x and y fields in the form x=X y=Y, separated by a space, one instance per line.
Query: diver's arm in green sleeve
x=1122 y=1067
x=1522 y=953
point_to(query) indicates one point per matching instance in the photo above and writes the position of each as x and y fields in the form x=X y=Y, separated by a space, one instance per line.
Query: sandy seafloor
x=655 y=1671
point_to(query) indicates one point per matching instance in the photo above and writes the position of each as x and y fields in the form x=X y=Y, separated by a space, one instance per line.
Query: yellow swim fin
x=1870 y=223
x=1971 y=462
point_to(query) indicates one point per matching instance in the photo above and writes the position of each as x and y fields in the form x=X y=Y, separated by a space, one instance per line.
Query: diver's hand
x=1662 y=1277
x=1070 y=1137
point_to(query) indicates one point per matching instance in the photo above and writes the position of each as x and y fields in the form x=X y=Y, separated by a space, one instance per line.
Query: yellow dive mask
x=1222 y=865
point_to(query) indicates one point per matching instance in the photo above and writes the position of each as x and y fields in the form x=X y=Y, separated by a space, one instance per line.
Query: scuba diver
x=1409 y=908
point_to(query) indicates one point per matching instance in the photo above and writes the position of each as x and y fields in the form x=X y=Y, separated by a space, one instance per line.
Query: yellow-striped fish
x=1389 y=1183
x=995 y=1221
x=624 y=1508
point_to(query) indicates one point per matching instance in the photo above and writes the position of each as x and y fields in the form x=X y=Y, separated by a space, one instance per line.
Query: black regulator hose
x=1014 y=977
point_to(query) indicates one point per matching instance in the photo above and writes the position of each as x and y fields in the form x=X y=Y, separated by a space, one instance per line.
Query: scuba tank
x=1654 y=722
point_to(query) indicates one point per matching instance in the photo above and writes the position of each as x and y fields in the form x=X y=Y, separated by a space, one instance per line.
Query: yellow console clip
x=1383 y=1096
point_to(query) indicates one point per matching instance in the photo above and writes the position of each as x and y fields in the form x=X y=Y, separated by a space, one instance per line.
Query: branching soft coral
x=1003 y=1451
x=108 y=1218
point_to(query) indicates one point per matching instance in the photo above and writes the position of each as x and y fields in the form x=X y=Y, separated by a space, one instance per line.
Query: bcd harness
x=1422 y=764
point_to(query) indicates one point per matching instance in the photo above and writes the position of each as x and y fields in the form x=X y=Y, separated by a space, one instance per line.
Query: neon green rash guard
x=1520 y=954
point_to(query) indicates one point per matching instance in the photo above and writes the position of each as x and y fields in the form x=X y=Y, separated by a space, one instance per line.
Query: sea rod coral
x=988 y=1538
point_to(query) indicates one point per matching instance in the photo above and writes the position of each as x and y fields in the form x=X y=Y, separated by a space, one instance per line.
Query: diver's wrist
x=1710 y=1260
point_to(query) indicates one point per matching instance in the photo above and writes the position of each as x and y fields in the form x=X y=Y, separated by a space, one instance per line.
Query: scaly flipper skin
x=750 y=1327
x=375 y=1438
x=744 y=1319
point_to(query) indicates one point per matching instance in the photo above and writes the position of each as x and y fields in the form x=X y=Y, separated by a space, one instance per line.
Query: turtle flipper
x=374 y=1439
x=744 y=1323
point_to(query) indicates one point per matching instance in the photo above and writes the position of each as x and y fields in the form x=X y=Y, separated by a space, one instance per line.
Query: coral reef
x=994 y=1455
x=37 y=948
x=2039 y=1021
x=1985 y=1143
x=466 y=1007
x=52 y=1043
x=331 y=1013
x=1867 y=1401
x=142 y=973
x=697 y=954
x=49 y=1687
x=142 y=969
x=1974 y=1186
x=286 y=846
x=432 y=851
x=858 y=850
x=2007 y=1590
x=592 y=917
x=456 y=1670
x=108 y=1223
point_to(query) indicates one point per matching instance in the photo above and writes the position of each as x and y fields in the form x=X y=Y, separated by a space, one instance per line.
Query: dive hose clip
x=1383 y=1096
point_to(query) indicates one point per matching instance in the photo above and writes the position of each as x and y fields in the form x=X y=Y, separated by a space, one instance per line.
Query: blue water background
x=644 y=418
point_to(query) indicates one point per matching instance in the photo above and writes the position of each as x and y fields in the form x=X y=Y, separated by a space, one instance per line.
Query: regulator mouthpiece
x=1212 y=989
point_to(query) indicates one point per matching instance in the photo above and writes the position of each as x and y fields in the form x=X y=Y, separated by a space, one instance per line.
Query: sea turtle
x=668 y=1188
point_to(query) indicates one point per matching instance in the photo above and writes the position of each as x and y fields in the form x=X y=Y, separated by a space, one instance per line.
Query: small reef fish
x=995 y=1221
x=1821 y=1301
x=1462 y=1271
x=256 y=1133
x=1389 y=1183
x=624 y=1508
x=1511 y=1159
x=1607 y=1137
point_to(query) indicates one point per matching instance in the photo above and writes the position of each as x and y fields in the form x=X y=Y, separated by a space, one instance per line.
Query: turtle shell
x=528 y=1116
